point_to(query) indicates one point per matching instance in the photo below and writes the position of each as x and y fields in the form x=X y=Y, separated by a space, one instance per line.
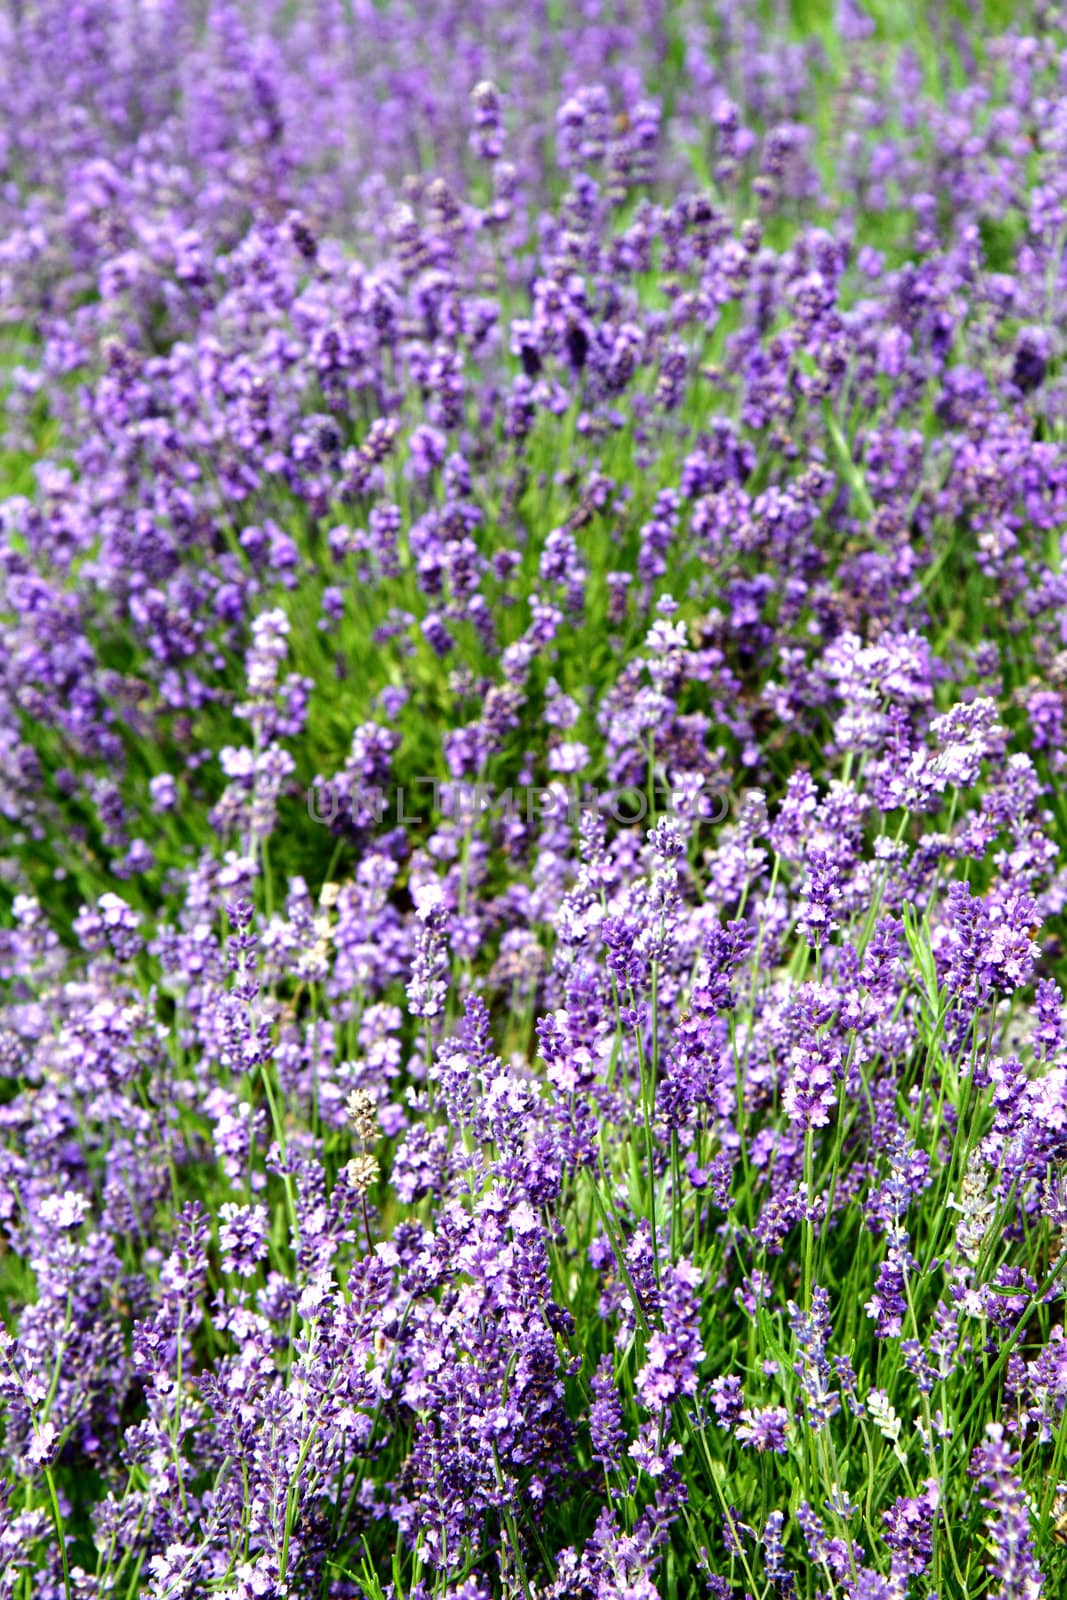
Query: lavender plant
x=532 y=703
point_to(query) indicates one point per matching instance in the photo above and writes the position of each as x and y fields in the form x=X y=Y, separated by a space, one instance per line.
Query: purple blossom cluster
x=514 y=1202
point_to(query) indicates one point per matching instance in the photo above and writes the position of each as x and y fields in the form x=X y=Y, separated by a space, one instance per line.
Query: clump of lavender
x=531 y=713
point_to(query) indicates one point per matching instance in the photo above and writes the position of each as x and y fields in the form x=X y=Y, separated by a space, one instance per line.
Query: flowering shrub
x=532 y=1052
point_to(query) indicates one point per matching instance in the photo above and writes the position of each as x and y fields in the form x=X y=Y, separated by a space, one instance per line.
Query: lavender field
x=533 y=775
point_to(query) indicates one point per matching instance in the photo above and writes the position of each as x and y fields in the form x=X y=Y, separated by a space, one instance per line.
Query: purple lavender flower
x=993 y=1464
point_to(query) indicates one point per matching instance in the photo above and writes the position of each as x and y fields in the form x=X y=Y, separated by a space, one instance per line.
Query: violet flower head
x=993 y=1465
x=428 y=985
